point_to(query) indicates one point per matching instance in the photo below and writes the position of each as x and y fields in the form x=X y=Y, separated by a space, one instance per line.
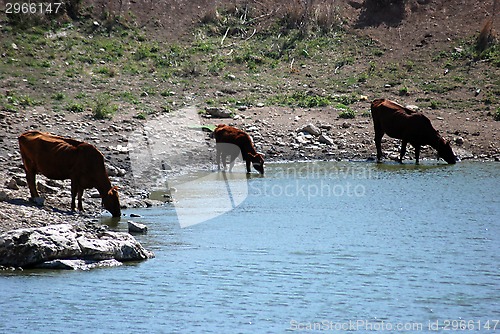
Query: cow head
x=257 y=162
x=445 y=151
x=111 y=202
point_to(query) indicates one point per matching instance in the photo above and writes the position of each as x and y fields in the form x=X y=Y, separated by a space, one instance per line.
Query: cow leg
x=378 y=144
x=248 y=166
x=80 y=194
x=74 y=191
x=218 y=154
x=403 y=151
x=417 y=153
x=31 y=179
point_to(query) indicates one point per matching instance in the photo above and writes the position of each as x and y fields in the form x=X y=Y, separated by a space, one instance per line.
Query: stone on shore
x=78 y=264
x=325 y=140
x=311 y=129
x=32 y=246
x=217 y=112
x=134 y=227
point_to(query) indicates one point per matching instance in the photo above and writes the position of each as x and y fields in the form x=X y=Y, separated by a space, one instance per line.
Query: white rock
x=134 y=227
x=218 y=112
x=311 y=129
x=45 y=188
x=78 y=264
x=412 y=107
x=32 y=246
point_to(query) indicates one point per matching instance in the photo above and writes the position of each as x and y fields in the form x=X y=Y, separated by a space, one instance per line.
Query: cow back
x=48 y=154
x=402 y=123
x=63 y=158
x=231 y=135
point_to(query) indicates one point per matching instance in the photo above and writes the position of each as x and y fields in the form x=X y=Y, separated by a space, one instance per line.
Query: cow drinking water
x=230 y=141
x=62 y=158
x=409 y=126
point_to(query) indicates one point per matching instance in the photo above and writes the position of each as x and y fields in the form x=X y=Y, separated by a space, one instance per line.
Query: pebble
x=134 y=227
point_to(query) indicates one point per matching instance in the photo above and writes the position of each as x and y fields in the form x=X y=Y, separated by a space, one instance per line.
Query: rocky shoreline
x=281 y=134
x=66 y=246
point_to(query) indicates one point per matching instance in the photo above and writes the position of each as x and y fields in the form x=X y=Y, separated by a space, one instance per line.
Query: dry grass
x=486 y=37
x=311 y=15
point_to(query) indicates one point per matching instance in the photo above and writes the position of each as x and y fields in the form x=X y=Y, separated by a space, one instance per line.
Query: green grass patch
x=103 y=108
x=346 y=112
x=75 y=107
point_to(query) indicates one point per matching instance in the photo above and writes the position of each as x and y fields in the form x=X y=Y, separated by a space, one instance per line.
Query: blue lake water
x=310 y=246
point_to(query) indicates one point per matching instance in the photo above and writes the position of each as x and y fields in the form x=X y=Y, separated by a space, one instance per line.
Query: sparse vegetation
x=403 y=91
x=434 y=104
x=298 y=55
x=75 y=107
x=103 y=108
x=345 y=111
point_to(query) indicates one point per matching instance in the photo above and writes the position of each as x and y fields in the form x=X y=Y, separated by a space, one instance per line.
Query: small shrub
x=497 y=114
x=58 y=96
x=347 y=114
x=326 y=17
x=409 y=66
x=9 y=108
x=403 y=91
x=27 y=101
x=108 y=71
x=103 y=108
x=346 y=111
x=75 y=107
x=23 y=100
x=363 y=77
x=434 y=105
x=141 y=116
x=146 y=50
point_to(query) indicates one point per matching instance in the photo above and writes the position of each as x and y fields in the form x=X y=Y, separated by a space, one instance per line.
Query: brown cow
x=230 y=141
x=409 y=126
x=62 y=158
